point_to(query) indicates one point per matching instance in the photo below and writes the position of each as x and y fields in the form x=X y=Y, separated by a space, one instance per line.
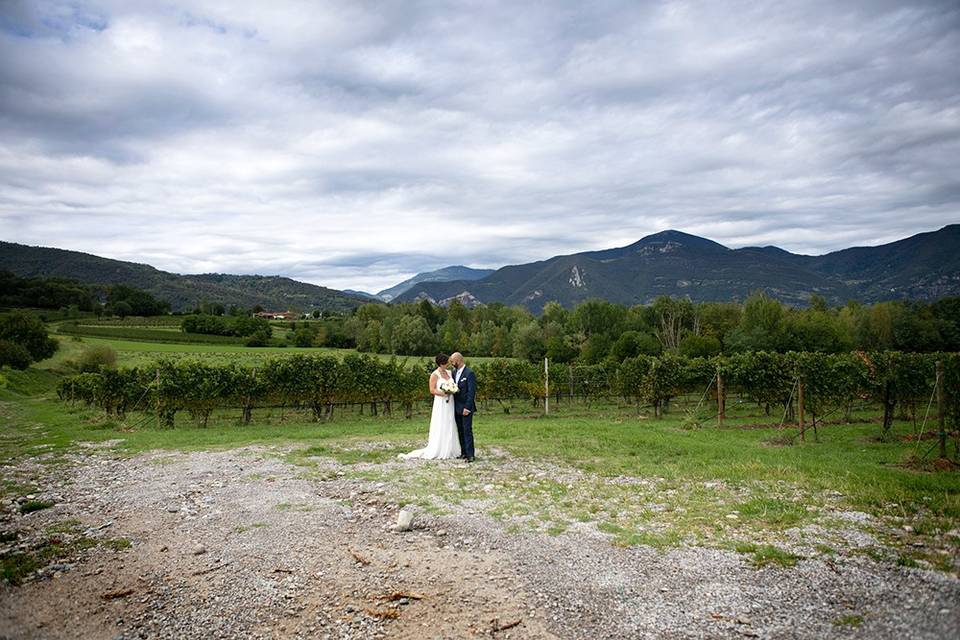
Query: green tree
x=631 y=344
x=28 y=331
x=761 y=327
x=429 y=313
x=694 y=346
x=528 y=342
x=599 y=317
x=453 y=336
x=414 y=337
x=122 y=309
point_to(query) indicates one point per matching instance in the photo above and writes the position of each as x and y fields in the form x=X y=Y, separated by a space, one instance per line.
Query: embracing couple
x=454 y=403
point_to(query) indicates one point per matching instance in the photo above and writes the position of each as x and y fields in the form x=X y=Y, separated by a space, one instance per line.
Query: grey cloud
x=346 y=143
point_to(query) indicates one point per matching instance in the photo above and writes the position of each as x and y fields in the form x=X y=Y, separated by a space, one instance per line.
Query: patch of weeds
x=118 y=544
x=429 y=506
x=346 y=456
x=849 y=620
x=66 y=526
x=941 y=562
x=625 y=537
x=243 y=528
x=907 y=561
x=825 y=549
x=35 y=505
x=557 y=528
x=875 y=553
x=772 y=511
x=768 y=554
x=12 y=488
x=16 y=567
x=765 y=554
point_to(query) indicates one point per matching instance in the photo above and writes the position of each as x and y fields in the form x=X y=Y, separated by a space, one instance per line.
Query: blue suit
x=465 y=398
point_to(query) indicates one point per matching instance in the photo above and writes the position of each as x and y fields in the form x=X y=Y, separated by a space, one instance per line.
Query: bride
x=443 y=442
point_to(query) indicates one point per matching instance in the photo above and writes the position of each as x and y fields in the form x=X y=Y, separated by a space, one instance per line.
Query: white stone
x=404 y=520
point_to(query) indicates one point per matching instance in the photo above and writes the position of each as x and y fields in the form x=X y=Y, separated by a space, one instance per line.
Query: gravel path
x=243 y=544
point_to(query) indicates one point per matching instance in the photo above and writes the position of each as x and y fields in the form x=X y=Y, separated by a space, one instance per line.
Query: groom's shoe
x=470 y=459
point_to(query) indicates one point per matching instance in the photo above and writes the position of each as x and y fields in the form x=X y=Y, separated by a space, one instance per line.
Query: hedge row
x=145 y=334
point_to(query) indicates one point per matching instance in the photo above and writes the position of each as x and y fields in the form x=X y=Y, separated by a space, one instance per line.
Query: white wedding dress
x=443 y=442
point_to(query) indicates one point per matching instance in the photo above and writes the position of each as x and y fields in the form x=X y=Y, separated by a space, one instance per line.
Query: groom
x=464 y=404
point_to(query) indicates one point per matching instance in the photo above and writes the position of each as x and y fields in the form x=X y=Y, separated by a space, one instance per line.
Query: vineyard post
x=546 y=386
x=248 y=409
x=158 y=398
x=721 y=401
x=803 y=436
x=940 y=410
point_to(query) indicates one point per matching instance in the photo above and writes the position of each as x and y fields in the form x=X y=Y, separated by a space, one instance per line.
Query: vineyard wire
x=927 y=413
x=786 y=407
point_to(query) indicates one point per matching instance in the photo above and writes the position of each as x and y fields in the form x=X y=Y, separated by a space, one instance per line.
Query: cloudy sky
x=352 y=143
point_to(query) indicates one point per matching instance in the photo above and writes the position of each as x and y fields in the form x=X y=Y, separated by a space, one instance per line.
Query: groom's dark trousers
x=465 y=398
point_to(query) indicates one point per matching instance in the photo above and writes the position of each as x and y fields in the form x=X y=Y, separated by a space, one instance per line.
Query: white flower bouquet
x=449 y=387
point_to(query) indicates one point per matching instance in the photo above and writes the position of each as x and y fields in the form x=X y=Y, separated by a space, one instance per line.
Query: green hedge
x=145 y=335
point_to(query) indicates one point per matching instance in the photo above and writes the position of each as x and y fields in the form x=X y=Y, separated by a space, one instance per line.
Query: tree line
x=67 y=294
x=599 y=331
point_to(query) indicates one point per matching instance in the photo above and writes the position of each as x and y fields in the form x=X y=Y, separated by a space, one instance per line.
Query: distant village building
x=276 y=315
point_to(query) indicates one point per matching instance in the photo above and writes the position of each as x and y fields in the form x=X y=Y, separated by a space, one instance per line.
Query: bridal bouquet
x=449 y=387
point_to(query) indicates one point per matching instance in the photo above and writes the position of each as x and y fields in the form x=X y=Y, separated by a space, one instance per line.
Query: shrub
x=14 y=356
x=96 y=358
x=28 y=331
x=259 y=339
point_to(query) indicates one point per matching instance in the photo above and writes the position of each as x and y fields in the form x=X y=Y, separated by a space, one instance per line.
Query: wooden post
x=546 y=386
x=247 y=406
x=721 y=401
x=940 y=411
x=803 y=436
x=158 y=398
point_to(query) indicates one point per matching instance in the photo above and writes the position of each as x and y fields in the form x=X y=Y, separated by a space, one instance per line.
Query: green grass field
x=736 y=485
x=132 y=352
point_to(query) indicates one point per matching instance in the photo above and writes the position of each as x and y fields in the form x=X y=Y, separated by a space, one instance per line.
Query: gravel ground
x=243 y=544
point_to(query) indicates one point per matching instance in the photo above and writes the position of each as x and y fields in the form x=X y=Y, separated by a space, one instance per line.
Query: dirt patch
x=243 y=544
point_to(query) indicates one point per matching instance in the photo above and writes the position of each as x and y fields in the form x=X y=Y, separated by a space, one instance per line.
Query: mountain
x=673 y=263
x=182 y=291
x=369 y=297
x=457 y=272
x=925 y=266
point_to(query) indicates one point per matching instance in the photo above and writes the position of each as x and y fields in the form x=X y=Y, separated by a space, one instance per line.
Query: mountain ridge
x=453 y=272
x=183 y=291
x=671 y=262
